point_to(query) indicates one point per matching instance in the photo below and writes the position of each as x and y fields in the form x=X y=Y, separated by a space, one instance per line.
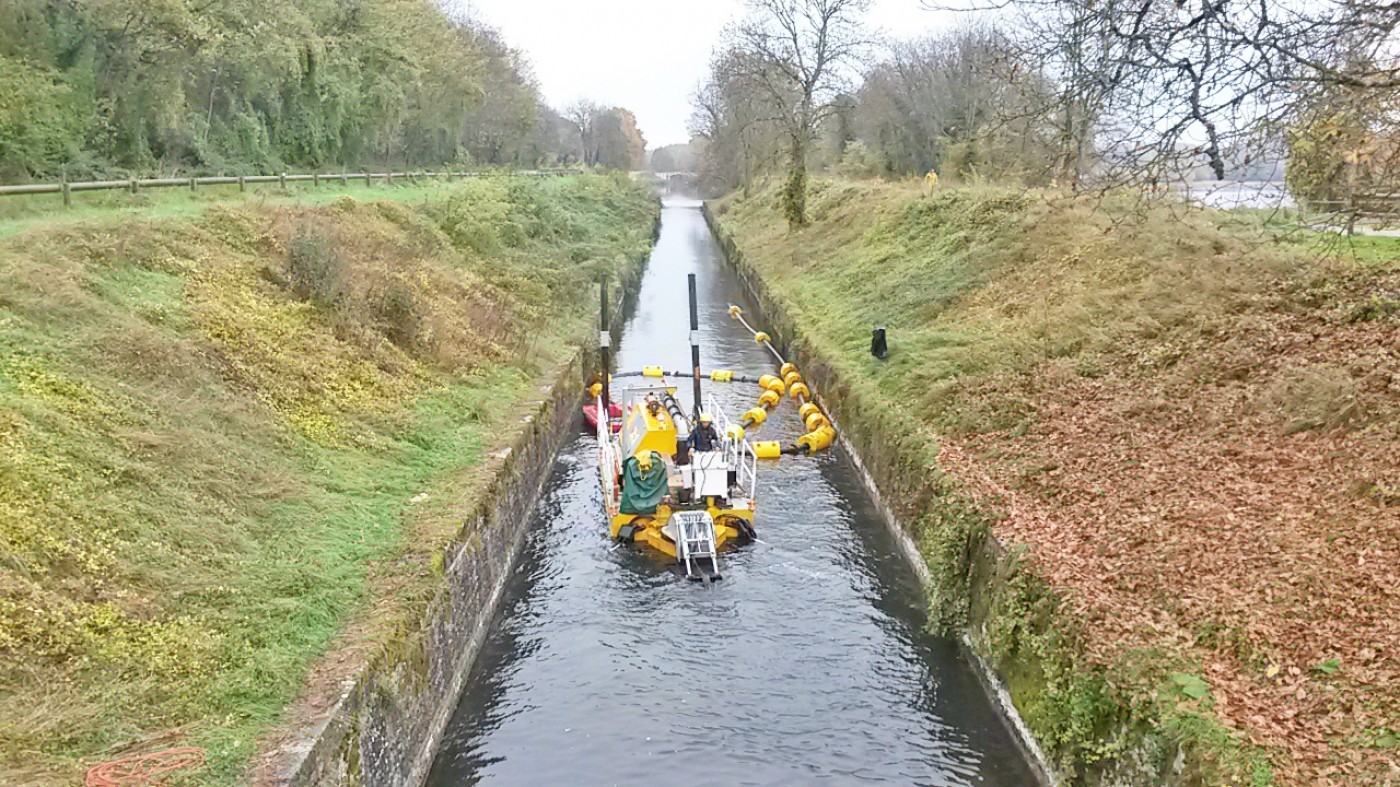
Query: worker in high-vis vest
x=930 y=182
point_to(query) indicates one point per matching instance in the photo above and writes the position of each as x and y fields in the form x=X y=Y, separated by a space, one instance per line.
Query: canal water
x=809 y=663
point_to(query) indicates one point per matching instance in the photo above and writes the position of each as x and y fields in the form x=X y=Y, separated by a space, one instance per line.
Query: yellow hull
x=648 y=527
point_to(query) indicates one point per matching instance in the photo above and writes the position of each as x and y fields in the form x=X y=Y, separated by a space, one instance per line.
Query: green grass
x=1374 y=251
x=41 y=211
x=976 y=286
x=1299 y=231
x=200 y=471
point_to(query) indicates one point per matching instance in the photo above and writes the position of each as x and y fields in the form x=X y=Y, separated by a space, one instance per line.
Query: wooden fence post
x=344 y=179
x=316 y=179
x=67 y=194
x=389 y=178
x=133 y=185
x=242 y=184
x=193 y=183
x=282 y=180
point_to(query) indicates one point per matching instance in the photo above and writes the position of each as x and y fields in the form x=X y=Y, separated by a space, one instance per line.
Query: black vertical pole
x=695 y=344
x=604 y=342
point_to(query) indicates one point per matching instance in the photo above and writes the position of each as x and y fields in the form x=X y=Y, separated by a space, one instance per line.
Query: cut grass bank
x=218 y=431
x=1151 y=459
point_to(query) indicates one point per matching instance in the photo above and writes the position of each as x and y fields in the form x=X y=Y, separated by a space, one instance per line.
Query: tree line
x=97 y=87
x=1076 y=93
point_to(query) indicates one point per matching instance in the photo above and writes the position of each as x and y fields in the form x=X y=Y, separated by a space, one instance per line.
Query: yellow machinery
x=712 y=490
x=688 y=505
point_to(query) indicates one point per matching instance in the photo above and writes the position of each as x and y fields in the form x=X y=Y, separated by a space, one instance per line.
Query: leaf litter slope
x=1193 y=427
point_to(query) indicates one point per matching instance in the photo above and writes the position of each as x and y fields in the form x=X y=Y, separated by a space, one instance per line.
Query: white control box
x=709 y=474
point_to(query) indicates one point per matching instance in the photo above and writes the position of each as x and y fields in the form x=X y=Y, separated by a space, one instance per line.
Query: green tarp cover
x=642 y=492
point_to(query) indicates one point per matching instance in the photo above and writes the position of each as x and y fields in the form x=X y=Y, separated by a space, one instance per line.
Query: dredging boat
x=685 y=484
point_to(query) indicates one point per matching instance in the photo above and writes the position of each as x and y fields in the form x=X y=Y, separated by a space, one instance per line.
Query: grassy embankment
x=46 y=211
x=219 y=430
x=1187 y=433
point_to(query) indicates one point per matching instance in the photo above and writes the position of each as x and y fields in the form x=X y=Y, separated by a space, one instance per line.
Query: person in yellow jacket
x=930 y=182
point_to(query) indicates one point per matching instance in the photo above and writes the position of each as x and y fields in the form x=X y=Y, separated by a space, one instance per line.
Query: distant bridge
x=674 y=182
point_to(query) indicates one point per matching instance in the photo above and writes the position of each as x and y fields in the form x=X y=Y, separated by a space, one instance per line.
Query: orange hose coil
x=143 y=769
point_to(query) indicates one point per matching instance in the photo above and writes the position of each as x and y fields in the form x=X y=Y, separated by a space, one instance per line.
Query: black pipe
x=695 y=343
x=738 y=378
x=675 y=409
x=604 y=341
x=678 y=418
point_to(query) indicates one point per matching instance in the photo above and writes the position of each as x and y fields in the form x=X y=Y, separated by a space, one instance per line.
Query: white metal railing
x=607 y=458
x=738 y=454
x=712 y=405
x=746 y=477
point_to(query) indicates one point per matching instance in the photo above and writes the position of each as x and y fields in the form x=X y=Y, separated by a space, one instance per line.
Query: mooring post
x=604 y=343
x=695 y=344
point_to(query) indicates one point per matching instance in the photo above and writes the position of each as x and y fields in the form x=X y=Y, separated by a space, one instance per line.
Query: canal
x=809 y=663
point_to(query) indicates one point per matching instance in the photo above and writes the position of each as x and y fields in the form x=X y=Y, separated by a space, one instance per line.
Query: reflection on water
x=1231 y=194
x=809 y=663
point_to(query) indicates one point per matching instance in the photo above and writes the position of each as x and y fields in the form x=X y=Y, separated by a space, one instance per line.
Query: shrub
x=400 y=315
x=315 y=271
x=1315 y=397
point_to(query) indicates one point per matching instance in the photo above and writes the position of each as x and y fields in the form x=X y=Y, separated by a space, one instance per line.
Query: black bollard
x=878 y=347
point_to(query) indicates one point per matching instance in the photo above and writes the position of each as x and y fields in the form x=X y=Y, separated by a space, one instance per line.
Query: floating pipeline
x=820 y=433
x=789 y=381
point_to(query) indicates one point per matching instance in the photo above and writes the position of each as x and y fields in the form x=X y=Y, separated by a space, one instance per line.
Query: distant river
x=1228 y=194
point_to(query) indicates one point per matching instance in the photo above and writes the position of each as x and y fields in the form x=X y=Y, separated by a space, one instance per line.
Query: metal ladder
x=695 y=544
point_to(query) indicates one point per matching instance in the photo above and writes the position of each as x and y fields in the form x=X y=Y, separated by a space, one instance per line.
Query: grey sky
x=646 y=55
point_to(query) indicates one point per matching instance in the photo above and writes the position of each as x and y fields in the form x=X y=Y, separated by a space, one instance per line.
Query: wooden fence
x=135 y=185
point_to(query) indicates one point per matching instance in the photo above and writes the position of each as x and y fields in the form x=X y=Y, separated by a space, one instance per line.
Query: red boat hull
x=590 y=414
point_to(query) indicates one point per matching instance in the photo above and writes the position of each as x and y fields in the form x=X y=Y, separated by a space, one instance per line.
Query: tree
x=958 y=103
x=583 y=114
x=608 y=136
x=681 y=157
x=1344 y=153
x=732 y=118
x=799 y=56
x=39 y=126
x=125 y=86
x=619 y=142
x=1151 y=90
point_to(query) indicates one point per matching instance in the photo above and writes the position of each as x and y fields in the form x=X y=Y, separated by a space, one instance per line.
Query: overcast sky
x=645 y=55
